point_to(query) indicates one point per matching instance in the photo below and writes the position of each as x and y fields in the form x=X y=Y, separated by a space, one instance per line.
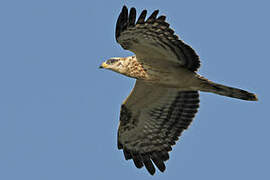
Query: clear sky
x=59 y=113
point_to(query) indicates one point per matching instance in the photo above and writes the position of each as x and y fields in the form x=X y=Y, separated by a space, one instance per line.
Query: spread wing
x=153 y=39
x=151 y=120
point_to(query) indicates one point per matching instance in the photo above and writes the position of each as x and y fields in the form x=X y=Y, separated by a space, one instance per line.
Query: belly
x=174 y=78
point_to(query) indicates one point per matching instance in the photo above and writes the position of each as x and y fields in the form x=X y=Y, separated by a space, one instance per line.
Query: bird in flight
x=165 y=97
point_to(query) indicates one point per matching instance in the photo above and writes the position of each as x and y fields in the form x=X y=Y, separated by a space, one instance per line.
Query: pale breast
x=162 y=72
x=136 y=70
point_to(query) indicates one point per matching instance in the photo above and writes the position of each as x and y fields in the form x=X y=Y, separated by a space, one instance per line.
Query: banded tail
x=209 y=86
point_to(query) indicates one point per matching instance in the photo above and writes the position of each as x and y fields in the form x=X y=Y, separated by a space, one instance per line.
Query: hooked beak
x=103 y=65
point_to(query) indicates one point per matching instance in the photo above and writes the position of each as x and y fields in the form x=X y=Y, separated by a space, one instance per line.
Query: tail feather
x=209 y=86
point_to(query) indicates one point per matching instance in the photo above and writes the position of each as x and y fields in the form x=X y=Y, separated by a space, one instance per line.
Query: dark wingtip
x=161 y=18
x=148 y=160
x=142 y=17
x=137 y=160
x=162 y=167
x=153 y=16
x=132 y=17
x=127 y=154
x=158 y=161
x=148 y=164
x=124 y=7
x=151 y=171
x=133 y=9
x=121 y=23
x=124 y=12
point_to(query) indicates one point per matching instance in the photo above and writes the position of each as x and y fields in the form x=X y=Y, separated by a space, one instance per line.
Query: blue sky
x=59 y=113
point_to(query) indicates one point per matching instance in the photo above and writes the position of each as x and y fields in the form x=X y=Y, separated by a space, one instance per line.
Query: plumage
x=127 y=154
x=153 y=16
x=137 y=160
x=161 y=18
x=162 y=121
x=132 y=17
x=126 y=35
x=165 y=97
x=158 y=161
x=142 y=17
x=148 y=163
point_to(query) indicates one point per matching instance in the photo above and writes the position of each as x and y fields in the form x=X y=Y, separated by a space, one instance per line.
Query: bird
x=165 y=97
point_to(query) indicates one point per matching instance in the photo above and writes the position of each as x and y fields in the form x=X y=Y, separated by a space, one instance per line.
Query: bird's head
x=115 y=64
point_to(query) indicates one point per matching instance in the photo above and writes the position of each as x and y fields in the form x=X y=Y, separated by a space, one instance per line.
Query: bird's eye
x=111 y=61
